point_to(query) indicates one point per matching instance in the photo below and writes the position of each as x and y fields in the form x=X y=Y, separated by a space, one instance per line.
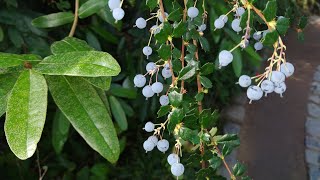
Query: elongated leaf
x=10 y=60
x=100 y=82
x=15 y=37
x=118 y=113
x=53 y=20
x=6 y=85
x=104 y=98
x=69 y=44
x=26 y=114
x=81 y=104
x=82 y=63
x=91 y=7
x=60 y=131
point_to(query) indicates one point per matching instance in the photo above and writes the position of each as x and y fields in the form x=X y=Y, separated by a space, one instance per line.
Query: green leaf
x=237 y=62
x=187 y=72
x=152 y=4
x=215 y=162
x=104 y=98
x=175 y=15
x=15 y=37
x=91 y=7
x=164 y=52
x=207 y=69
x=10 y=60
x=69 y=44
x=60 y=131
x=26 y=114
x=81 y=104
x=118 y=113
x=238 y=169
x=303 y=22
x=179 y=30
x=53 y=20
x=82 y=63
x=270 y=11
x=175 y=118
x=1 y=34
x=8 y=81
x=204 y=43
x=271 y=38
x=103 y=82
x=175 y=98
x=164 y=110
x=119 y=91
x=93 y=41
x=205 y=82
x=189 y=135
x=283 y=25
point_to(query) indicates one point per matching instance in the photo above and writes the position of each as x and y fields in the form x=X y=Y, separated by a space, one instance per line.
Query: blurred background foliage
x=77 y=160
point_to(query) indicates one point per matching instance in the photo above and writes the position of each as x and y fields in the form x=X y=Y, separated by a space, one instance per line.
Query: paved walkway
x=273 y=133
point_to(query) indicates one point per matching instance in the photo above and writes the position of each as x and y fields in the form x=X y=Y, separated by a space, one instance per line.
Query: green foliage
x=86 y=106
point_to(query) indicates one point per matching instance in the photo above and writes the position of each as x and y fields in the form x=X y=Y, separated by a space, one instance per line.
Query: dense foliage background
x=77 y=160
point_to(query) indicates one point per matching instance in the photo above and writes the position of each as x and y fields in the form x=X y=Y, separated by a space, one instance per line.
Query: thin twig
x=75 y=21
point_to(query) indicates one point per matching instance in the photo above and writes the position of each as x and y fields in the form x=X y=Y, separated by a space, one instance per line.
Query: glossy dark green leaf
x=215 y=162
x=69 y=44
x=207 y=69
x=205 y=82
x=118 y=113
x=271 y=38
x=8 y=81
x=187 y=72
x=283 y=25
x=238 y=169
x=82 y=63
x=204 y=43
x=103 y=82
x=175 y=98
x=152 y=4
x=81 y=104
x=26 y=113
x=270 y=11
x=179 y=30
x=60 y=131
x=164 y=110
x=91 y=7
x=164 y=52
x=175 y=118
x=206 y=173
x=53 y=20
x=189 y=135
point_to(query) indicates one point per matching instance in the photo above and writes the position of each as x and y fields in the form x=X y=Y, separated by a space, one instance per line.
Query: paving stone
x=317 y=76
x=315 y=98
x=235 y=113
x=314 y=173
x=312 y=126
x=312 y=157
x=232 y=128
x=313 y=143
x=315 y=88
x=314 y=110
